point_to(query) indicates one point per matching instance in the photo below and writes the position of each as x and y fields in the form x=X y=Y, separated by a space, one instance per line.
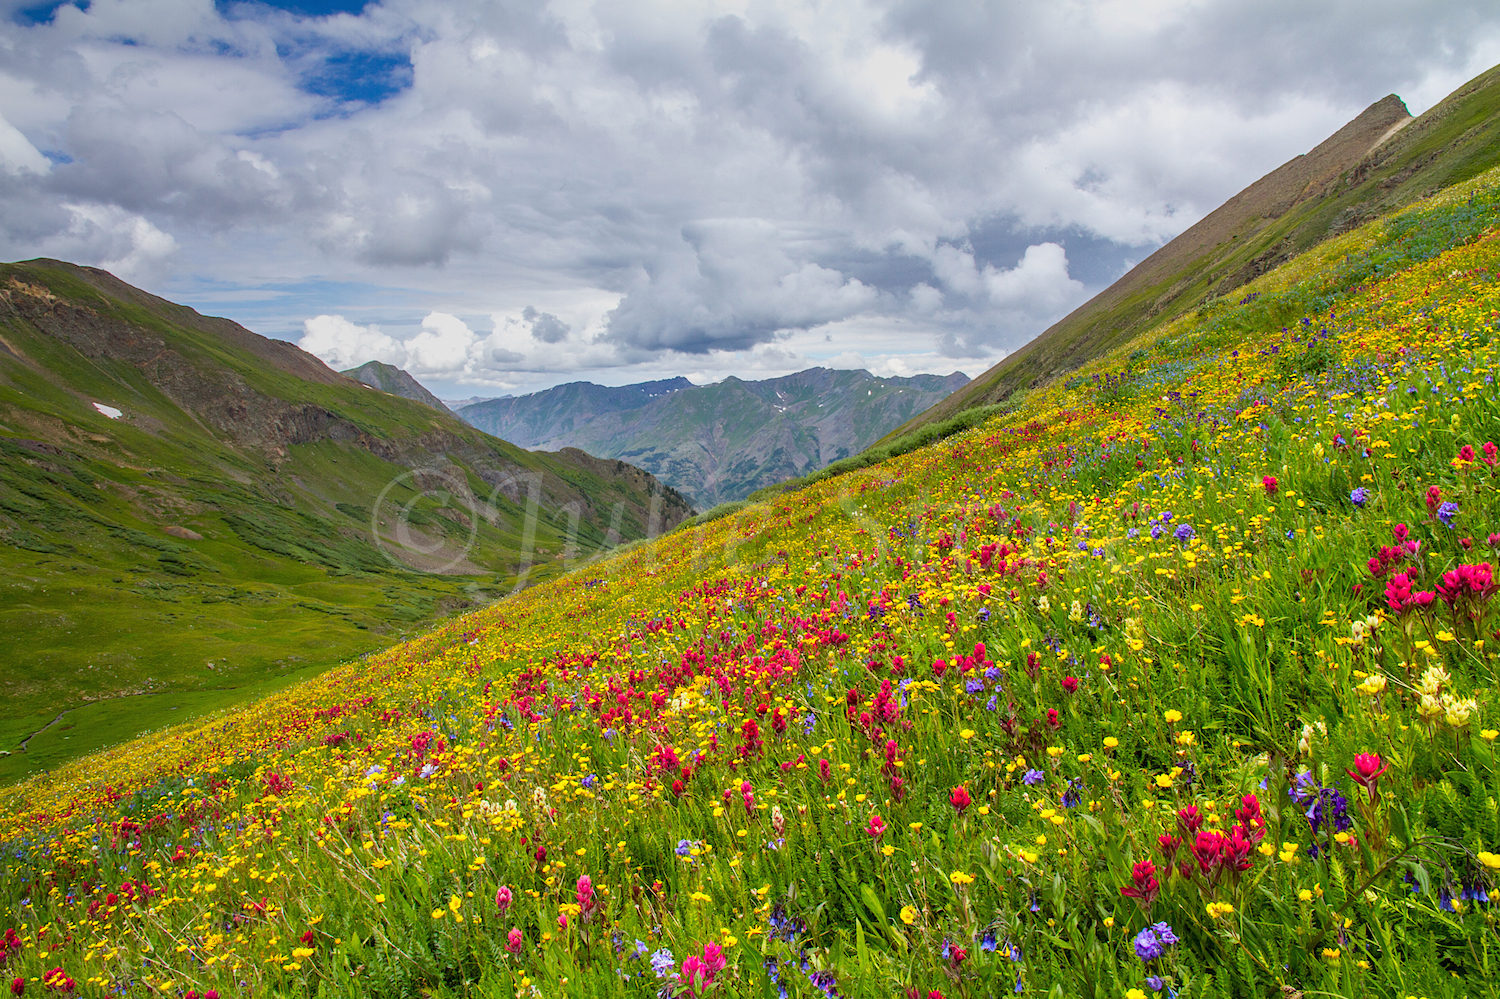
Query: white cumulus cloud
x=672 y=186
x=343 y=345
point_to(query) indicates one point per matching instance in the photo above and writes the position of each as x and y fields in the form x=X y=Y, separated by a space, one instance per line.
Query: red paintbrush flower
x=1367 y=771
x=959 y=798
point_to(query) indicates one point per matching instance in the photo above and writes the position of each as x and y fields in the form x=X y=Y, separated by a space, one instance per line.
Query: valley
x=188 y=509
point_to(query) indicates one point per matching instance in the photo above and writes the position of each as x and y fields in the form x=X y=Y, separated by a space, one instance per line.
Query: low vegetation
x=1178 y=679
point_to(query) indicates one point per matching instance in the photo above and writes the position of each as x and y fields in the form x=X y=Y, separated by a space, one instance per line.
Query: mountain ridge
x=396 y=381
x=157 y=462
x=718 y=442
x=1379 y=161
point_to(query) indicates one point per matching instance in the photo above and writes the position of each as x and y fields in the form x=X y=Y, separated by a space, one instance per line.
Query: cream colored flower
x=1433 y=681
x=1456 y=711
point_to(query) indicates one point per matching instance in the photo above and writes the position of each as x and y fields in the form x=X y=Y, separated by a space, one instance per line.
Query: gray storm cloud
x=680 y=181
x=545 y=326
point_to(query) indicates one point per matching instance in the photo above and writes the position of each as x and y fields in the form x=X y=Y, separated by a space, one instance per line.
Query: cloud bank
x=616 y=190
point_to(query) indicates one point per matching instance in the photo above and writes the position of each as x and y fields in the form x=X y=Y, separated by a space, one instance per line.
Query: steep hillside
x=1380 y=161
x=188 y=509
x=1178 y=680
x=389 y=378
x=719 y=442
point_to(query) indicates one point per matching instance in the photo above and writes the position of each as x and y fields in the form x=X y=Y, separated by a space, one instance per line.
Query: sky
x=502 y=196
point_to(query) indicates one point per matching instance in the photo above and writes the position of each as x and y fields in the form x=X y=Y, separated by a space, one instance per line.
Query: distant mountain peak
x=721 y=441
x=396 y=381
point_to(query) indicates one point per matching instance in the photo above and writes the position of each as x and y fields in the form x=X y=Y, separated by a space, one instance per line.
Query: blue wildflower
x=1147 y=946
x=1359 y=496
x=1033 y=777
x=663 y=963
x=1446 y=513
x=825 y=982
x=1152 y=942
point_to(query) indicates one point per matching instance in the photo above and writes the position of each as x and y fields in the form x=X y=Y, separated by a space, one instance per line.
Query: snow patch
x=109 y=411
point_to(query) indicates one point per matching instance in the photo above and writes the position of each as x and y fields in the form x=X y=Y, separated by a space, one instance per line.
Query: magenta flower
x=700 y=970
x=1475 y=582
x=1143 y=887
x=585 y=895
x=1368 y=769
x=959 y=798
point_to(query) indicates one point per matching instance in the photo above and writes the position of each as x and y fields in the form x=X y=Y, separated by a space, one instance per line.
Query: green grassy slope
x=268 y=469
x=1338 y=186
x=1178 y=679
x=389 y=378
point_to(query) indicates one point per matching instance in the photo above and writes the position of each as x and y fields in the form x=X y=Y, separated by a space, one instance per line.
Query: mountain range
x=721 y=442
x=1380 y=161
x=189 y=511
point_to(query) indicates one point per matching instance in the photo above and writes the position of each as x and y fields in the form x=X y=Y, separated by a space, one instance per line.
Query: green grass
x=100 y=724
x=921 y=437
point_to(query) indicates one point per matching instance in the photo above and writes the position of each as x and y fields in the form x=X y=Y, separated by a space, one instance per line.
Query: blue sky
x=501 y=196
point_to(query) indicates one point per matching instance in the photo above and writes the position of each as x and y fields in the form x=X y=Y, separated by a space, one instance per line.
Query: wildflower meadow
x=1178 y=679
